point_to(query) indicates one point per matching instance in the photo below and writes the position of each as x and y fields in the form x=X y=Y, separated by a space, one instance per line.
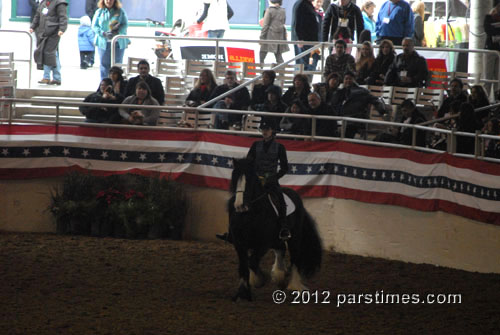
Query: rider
x=266 y=155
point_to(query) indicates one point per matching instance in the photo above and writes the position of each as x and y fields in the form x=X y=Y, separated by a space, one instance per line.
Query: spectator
x=340 y=62
x=333 y=82
x=299 y=90
x=215 y=17
x=492 y=147
x=203 y=89
x=384 y=60
x=418 y=9
x=141 y=96
x=90 y=8
x=240 y=99
x=86 y=43
x=293 y=125
x=316 y=54
x=409 y=69
x=455 y=93
x=154 y=84
x=439 y=140
x=404 y=135
x=305 y=27
x=273 y=28
x=353 y=101
x=317 y=107
x=492 y=29
x=321 y=89
x=34 y=5
x=467 y=123
x=225 y=120
x=344 y=34
x=369 y=23
x=259 y=95
x=273 y=104
x=119 y=83
x=478 y=99
x=394 y=21
x=104 y=95
x=347 y=15
x=364 y=65
x=110 y=20
x=50 y=23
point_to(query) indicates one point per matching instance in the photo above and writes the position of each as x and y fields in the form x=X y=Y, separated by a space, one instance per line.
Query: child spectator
x=86 y=37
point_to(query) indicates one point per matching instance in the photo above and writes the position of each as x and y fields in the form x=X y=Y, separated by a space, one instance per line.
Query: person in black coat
x=383 y=61
x=345 y=15
x=154 y=83
x=305 y=27
x=91 y=7
x=34 y=6
x=259 y=95
x=318 y=107
x=105 y=95
x=409 y=69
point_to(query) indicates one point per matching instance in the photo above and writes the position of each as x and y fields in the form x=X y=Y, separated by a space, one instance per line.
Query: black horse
x=254 y=229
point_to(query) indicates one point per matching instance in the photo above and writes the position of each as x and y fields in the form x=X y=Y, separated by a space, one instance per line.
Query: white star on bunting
x=66 y=151
x=161 y=157
x=85 y=153
x=142 y=157
x=26 y=152
x=104 y=155
x=180 y=158
x=123 y=156
x=46 y=151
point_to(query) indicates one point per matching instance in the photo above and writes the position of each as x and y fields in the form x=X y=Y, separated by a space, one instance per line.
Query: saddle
x=290 y=206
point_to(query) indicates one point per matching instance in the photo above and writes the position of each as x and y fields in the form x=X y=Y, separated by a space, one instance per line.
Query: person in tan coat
x=273 y=28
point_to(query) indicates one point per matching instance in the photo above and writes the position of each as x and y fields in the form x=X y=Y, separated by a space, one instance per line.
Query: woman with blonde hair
x=385 y=58
x=418 y=9
x=364 y=64
x=203 y=89
x=367 y=11
x=110 y=20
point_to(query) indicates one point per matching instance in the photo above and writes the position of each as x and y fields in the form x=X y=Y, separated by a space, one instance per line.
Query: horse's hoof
x=243 y=293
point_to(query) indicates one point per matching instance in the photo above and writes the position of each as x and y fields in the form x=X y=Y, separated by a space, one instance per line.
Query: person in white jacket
x=215 y=17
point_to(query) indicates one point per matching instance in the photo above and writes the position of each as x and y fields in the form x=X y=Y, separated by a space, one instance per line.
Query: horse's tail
x=311 y=248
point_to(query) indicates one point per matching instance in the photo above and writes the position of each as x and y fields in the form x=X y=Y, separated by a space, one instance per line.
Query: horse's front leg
x=244 y=291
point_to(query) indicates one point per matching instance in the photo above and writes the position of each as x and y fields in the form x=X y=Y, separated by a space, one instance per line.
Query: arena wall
x=345 y=226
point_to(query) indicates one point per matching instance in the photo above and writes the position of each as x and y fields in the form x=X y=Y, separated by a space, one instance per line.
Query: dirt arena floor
x=52 y=284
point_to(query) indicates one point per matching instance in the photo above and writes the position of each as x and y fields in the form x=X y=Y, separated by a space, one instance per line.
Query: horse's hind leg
x=257 y=277
x=278 y=270
x=244 y=286
x=295 y=283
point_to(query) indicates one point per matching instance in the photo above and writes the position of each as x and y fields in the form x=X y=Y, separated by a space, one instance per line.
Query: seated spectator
x=259 y=95
x=104 y=95
x=226 y=120
x=154 y=83
x=439 y=140
x=404 y=135
x=409 y=69
x=241 y=99
x=333 y=82
x=467 y=123
x=384 y=60
x=273 y=104
x=299 y=90
x=455 y=93
x=119 y=83
x=203 y=89
x=492 y=147
x=478 y=98
x=142 y=96
x=340 y=62
x=354 y=101
x=317 y=107
x=364 y=65
x=321 y=89
x=292 y=125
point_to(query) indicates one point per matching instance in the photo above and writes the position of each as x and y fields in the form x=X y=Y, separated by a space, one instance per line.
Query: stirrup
x=285 y=234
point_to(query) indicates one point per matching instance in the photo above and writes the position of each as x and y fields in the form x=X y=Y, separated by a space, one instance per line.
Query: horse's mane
x=241 y=166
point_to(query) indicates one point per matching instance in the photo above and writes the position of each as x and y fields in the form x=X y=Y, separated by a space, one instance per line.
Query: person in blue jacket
x=367 y=11
x=86 y=45
x=395 y=21
x=110 y=20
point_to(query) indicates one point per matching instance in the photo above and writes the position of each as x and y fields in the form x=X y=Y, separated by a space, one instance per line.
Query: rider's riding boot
x=225 y=237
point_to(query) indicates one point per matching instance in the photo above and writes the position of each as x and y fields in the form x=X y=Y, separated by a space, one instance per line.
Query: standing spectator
x=203 y=89
x=34 y=6
x=305 y=27
x=50 y=23
x=104 y=95
x=492 y=30
x=259 y=95
x=316 y=54
x=299 y=90
x=395 y=21
x=273 y=28
x=215 y=17
x=110 y=20
x=347 y=15
x=86 y=43
x=90 y=7
x=142 y=96
x=155 y=85
x=409 y=68
x=340 y=62
x=384 y=60
x=369 y=23
x=364 y=65
x=418 y=9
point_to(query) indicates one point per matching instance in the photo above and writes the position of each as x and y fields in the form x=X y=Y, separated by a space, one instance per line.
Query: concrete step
x=22 y=109
x=63 y=99
x=24 y=93
x=68 y=118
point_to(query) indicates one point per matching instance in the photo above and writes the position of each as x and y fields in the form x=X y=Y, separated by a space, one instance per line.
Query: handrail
x=30 y=60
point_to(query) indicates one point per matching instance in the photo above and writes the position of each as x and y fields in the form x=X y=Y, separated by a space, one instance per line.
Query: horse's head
x=243 y=183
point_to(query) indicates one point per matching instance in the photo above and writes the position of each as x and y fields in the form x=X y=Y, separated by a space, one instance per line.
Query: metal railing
x=30 y=60
x=342 y=121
